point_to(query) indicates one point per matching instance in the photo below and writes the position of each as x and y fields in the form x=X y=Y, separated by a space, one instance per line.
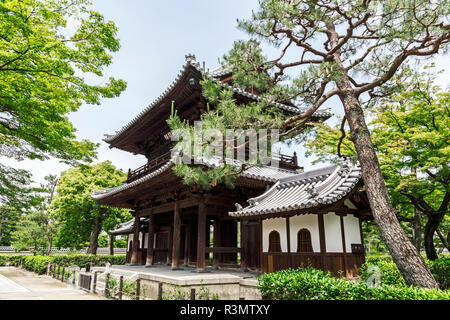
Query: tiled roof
x=191 y=62
x=127 y=227
x=269 y=174
x=305 y=190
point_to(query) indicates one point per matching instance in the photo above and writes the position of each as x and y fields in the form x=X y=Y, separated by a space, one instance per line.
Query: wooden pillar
x=134 y=252
x=201 y=235
x=261 y=262
x=170 y=242
x=176 y=242
x=111 y=244
x=288 y=236
x=187 y=243
x=217 y=242
x=344 y=249
x=244 y=243
x=207 y=238
x=323 y=246
x=150 y=240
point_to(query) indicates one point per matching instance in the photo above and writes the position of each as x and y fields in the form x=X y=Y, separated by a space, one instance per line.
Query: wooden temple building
x=283 y=217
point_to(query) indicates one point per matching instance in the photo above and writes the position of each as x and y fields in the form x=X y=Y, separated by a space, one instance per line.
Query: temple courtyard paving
x=18 y=284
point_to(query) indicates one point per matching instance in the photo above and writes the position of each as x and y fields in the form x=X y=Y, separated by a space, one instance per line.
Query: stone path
x=18 y=284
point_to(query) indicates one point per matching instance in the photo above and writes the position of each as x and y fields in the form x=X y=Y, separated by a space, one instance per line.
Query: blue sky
x=155 y=36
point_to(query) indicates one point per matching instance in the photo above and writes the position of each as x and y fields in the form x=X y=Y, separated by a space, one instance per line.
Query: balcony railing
x=284 y=162
x=148 y=167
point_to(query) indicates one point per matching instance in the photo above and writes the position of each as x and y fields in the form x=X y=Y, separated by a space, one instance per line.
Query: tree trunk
x=417 y=225
x=409 y=262
x=50 y=244
x=443 y=240
x=434 y=220
x=111 y=244
x=406 y=257
x=93 y=243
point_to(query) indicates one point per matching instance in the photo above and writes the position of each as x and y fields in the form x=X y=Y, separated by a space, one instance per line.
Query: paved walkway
x=18 y=284
x=185 y=272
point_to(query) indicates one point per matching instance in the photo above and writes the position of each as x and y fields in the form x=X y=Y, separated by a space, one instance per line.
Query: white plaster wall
x=130 y=238
x=352 y=232
x=145 y=237
x=333 y=237
x=304 y=221
x=277 y=224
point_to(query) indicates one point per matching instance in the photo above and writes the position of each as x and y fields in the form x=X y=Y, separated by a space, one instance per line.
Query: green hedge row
x=313 y=284
x=86 y=260
x=39 y=264
x=390 y=275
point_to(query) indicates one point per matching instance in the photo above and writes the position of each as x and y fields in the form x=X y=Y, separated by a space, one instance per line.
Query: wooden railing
x=284 y=162
x=148 y=167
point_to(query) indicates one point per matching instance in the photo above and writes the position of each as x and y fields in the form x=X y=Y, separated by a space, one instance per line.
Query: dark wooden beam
x=170 y=241
x=288 y=236
x=176 y=236
x=222 y=250
x=343 y=245
x=187 y=243
x=150 y=240
x=134 y=252
x=323 y=246
x=201 y=235
x=244 y=242
x=217 y=243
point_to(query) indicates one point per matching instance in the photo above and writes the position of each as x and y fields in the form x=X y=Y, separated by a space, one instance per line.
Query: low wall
x=213 y=286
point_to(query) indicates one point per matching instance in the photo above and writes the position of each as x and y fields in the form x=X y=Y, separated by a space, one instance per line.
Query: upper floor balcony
x=284 y=162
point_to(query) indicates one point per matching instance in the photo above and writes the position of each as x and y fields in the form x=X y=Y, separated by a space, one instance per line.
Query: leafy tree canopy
x=47 y=50
x=77 y=211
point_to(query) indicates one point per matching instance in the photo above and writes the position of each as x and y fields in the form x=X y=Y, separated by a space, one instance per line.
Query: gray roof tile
x=304 y=190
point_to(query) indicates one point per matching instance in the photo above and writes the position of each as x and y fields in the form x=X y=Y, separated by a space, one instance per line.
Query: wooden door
x=253 y=245
x=161 y=246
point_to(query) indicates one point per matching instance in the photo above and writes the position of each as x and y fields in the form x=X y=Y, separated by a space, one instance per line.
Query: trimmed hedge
x=390 y=274
x=39 y=264
x=86 y=260
x=313 y=284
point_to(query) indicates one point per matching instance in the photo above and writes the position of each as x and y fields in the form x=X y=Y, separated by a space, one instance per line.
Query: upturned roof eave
x=192 y=66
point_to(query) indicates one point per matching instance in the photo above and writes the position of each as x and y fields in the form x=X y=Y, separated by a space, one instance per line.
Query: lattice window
x=304 y=241
x=274 y=242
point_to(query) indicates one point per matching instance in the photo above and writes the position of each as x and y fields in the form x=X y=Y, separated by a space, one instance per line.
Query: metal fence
x=85 y=281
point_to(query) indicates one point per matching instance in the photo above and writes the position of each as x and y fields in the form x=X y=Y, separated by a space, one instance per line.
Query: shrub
x=390 y=274
x=86 y=260
x=37 y=264
x=440 y=269
x=312 y=284
x=10 y=259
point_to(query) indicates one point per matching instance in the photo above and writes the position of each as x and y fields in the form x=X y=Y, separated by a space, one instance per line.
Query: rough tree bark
x=417 y=225
x=93 y=243
x=410 y=263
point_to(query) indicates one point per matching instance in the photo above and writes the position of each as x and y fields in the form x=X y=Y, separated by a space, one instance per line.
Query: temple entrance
x=161 y=247
x=253 y=244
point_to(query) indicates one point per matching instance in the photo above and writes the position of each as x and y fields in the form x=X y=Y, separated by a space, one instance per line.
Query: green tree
x=16 y=197
x=46 y=194
x=333 y=48
x=30 y=232
x=47 y=49
x=410 y=134
x=80 y=218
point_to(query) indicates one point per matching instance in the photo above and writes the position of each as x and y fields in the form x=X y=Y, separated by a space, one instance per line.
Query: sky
x=155 y=36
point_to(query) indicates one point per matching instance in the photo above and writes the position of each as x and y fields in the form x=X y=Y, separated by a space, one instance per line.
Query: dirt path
x=18 y=284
